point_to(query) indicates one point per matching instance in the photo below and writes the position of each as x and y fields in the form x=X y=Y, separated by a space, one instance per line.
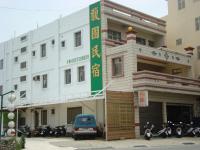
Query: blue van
x=84 y=125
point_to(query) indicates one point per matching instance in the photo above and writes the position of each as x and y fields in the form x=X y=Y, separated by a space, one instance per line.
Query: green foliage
x=22 y=141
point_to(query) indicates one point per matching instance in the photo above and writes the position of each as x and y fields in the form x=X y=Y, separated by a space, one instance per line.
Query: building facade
x=186 y=31
x=107 y=60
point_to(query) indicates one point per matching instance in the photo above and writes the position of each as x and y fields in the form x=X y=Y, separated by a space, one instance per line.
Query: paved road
x=135 y=144
x=175 y=147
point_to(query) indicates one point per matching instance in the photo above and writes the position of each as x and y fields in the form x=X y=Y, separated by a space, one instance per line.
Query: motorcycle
x=24 y=130
x=179 y=130
x=189 y=130
x=148 y=131
x=60 y=131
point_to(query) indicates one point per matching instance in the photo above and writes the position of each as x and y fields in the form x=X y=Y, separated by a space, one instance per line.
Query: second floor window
x=81 y=73
x=77 y=39
x=1 y=64
x=43 y=50
x=44 y=81
x=23 y=65
x=117 y=66
x=114 y=35
x=68 y=76
x=197 y=23
x=15 y=59
x=181 y=4
x=22 y=78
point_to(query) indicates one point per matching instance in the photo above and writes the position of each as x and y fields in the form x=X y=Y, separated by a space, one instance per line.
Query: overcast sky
x=20 y=16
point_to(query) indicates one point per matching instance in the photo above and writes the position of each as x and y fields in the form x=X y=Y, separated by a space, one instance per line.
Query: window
x=81 y=73
x=151 y=43
x=33 y=53
x=23 y=65
x=198 y=52
x=117 y=66
x=16 y=59
x=140 y=40
x=181 y=4
x=52 y=42
x=197 y=23
x=23 y=49
x=22 y=94
x=68 y=76
x=63 y=44
x=15 y=87
x=1 y=64
x=43 y=50
x=178 y=42
x=44 y=81
x=44 y=117
x=1 y=89
x=77 y=39
x=114 y=35
x=23 y=38
x=22 y=78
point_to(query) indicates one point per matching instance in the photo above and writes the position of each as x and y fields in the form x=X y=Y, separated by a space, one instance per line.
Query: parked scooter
x=24 y=130
x=189 y=130
x=149 y=131
x=178 y=130
x=45 y=131
x=60 y=131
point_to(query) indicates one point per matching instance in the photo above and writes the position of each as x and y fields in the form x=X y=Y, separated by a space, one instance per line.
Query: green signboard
x=95 y=48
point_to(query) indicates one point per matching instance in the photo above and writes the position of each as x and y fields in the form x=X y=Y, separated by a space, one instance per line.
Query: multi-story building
x=107 y=60
x=183 y=28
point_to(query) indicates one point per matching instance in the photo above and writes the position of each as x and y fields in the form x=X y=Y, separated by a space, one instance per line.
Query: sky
x=20 y=16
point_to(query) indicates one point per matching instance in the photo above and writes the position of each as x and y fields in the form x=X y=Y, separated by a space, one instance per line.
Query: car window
x=86 y=120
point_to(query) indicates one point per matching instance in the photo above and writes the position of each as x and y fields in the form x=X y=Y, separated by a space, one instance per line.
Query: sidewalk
x=70 y=144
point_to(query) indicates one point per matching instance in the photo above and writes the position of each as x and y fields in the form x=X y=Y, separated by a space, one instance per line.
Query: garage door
x=72 y=112
x=152 y=114
x=177 y=113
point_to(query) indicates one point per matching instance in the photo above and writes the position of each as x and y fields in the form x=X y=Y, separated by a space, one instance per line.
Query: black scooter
x=148 y=131
x=60 y=131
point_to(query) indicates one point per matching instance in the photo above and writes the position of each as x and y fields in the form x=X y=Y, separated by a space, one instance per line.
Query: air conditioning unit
x=36 y=78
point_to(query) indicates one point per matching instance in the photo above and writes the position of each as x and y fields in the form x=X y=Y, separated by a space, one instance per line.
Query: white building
x=88 y=62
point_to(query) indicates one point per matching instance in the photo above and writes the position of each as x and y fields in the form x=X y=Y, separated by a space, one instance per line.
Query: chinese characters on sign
x=143 y=98
x=95 y=48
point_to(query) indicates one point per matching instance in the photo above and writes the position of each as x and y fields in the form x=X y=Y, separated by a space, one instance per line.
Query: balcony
x=154 y=81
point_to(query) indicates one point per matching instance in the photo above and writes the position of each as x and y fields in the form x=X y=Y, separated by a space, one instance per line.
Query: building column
x=164 y=112
x=137 y=116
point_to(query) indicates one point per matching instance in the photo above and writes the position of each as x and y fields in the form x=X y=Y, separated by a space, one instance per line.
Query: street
x=132 y=144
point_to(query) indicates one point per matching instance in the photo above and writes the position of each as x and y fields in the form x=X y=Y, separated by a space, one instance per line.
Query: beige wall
x=181 y=24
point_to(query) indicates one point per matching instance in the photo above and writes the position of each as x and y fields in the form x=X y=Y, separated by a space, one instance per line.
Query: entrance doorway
x=177 y=113
x=36 y=120
x=72 y=112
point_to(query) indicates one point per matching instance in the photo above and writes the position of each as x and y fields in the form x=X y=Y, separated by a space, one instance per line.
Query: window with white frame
x=23 y=65
x=178 y=42
x=44 y=81
x=198 y=52
x=140 y=40
x=23 y=49
x=114 y=35
x=43 y=50
x=1 y=89
x=16 y=59
x=68 y=76
x=22 y=78
x=117 y=66
x=81 y=73
x=62 y=43
x=77 y=39
x=197 y=23
x=15 y=87
x=1 y=64
x=43 y=117
x=181 y=4
x=33 y=53
x=22 y=94
x=23 y=38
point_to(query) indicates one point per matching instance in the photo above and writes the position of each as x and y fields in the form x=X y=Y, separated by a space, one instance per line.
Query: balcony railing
x=154 y=81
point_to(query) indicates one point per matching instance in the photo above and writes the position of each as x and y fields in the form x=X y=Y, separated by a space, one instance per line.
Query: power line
x=31 y=10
